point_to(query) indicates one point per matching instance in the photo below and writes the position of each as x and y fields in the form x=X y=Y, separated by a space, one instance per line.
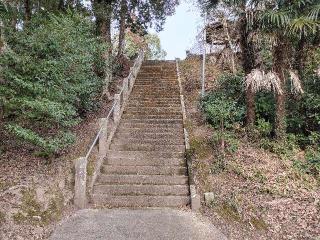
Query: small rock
x=40 y=193
x=209 y=198
x=62 y=184
x=38 y=218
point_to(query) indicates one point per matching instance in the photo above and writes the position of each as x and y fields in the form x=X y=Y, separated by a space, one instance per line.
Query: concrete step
x=146 y=105
x=138 y=190
x=150 y=135
x=140 y=201
x=148 y=130
x=151 y=117
x=144 y=170
x=163 y=110
x=157 y=82
x=158 y=122
x=118 y=179
x=145 y=147
x=144 y=155
x=153 y=99
x=156 y=100
x=150 y=125
x=153 y=104
x=156 y=95
x=156 y=110
x=162 y=85
x=151 y=90
x=143 y=130
x=156 y=161
x=143 y=140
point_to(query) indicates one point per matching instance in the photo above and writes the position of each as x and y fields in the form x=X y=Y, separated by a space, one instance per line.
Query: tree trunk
x=122 y=27
x=226 y=31
x=299 y=55
x=279 y=66
x=222 y=140
x=103 y=15
x=61 y=5
x=27 y=8
x=248 y=64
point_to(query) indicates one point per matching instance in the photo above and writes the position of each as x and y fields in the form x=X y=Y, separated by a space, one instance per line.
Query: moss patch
x=2 y=218
x=201 y=148
x=259 y=223
x=33 y=212
x=229 y=211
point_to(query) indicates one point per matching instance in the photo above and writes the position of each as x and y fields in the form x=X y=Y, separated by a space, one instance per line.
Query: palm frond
x=303 y=25
x=296 y=87
x=275 y=18
x=258 y=80
x=314 y=13
x=3 y=9
x=300 y=3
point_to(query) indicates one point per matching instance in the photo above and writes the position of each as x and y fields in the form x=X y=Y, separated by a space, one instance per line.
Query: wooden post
x=103 y=137
x=80 y=186
x=116 y=113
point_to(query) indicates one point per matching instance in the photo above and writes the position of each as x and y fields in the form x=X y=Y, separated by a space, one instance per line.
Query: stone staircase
x=145 y=165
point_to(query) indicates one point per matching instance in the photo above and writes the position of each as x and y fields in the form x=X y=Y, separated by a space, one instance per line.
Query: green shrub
x=265 y=106
x=263 y=127
x=311 y=165
x=232 y=87
x=221 y=111
x=285 y=149
x=230 y=139
x=50 y=79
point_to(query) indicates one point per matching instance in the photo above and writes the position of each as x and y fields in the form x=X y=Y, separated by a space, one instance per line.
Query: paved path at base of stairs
x=123 y=224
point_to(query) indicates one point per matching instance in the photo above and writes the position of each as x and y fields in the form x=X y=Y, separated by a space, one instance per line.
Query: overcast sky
x=180 y=30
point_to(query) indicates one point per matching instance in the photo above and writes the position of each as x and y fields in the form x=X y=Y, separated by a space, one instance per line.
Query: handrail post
x=103 y=137
x=116 y=113
x=131 y=82
x=125 y=88
x=80 y=187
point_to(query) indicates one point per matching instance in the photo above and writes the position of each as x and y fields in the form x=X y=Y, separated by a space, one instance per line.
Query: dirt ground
x=36 y=193
x=257 y=194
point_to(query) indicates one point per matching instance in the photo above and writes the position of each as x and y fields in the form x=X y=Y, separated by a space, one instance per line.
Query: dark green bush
x=311 y=165
x=226 y=102
x=263 y=127
x=224 y=110
x=50 y=79
x=221 y=110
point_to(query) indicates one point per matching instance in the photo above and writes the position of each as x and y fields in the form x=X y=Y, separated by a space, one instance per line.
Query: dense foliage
x=279 y=55
x=153 y=46
x=225 y=106
x=50 y=79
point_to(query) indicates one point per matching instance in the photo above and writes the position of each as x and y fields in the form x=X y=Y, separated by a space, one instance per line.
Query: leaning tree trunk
x=279 y=67
x=248 y=64
x=122 y=27
x=103 y=15
x=3 y=46
x=27 y=8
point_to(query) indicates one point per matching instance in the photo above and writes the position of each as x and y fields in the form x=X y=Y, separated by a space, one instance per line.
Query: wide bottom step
x=101 y=200
x=138 y=190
